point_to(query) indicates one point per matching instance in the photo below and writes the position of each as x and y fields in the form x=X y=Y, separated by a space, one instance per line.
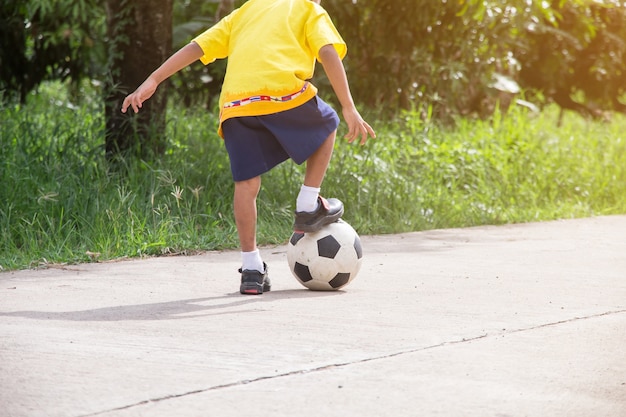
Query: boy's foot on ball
x=328 y=211
x=254 y=282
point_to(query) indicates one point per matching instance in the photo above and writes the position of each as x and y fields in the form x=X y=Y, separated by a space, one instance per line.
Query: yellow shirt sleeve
x=215 y=40
x=320 y=31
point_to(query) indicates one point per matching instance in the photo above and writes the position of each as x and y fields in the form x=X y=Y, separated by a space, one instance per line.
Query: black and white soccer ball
x=326 y=260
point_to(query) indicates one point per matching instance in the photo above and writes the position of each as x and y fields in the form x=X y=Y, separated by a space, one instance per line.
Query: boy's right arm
x=185 y=56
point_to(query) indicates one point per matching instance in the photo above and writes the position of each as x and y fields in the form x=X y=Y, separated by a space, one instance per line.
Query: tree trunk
x=140 y=32
x=225 y=7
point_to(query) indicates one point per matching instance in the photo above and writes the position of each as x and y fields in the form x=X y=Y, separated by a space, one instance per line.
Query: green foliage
x=449 y=58
x=425 y=55
x=464 y=57
x=588 y=75
x=60 y=201
x=510 y=169
x=45 y=40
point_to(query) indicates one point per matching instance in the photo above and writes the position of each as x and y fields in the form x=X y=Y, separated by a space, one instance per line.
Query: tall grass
x=61 y=202
x=518 y=168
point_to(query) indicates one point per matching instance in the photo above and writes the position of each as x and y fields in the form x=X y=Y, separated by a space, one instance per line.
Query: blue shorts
x=256 y=144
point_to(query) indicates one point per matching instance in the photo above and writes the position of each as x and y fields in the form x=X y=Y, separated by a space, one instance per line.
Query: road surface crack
x=355 y=362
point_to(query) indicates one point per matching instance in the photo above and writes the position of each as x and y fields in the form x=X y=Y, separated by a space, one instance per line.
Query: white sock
x=307 y=199
x=252 y=261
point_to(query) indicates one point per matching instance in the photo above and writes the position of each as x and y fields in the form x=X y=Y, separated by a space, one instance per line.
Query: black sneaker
x=329 y=211
x=254 y=282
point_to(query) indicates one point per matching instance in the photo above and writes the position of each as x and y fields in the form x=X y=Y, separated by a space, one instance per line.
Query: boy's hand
x=141 y=94
x=356 y=126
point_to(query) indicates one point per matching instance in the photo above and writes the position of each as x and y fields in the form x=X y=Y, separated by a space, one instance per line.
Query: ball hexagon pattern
x=326 y=260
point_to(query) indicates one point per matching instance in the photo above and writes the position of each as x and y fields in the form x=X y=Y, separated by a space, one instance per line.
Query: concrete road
x=508 y=321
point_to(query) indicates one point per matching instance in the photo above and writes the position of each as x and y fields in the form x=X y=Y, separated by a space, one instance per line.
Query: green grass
x=60 y=202
x=511 y=169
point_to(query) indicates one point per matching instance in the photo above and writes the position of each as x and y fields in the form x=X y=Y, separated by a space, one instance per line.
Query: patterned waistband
x=254 y=99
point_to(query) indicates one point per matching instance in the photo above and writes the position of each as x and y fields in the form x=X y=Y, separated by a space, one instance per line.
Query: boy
x=269 y=112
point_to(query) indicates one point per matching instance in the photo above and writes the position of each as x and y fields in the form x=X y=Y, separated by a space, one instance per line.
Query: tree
x=140 y=36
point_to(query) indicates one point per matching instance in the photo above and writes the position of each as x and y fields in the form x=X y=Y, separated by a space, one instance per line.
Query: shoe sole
x=253 y=288
x=315 y=227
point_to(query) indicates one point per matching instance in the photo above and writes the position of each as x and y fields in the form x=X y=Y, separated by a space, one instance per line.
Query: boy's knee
x=251 y=185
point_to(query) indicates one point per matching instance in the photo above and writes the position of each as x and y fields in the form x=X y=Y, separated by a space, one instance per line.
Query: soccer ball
x=326 y=260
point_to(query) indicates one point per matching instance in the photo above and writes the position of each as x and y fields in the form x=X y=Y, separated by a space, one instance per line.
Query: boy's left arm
x=336 y=74
x=182 y=58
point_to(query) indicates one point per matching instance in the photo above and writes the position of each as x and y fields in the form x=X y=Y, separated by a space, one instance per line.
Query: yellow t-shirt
x=271 y=47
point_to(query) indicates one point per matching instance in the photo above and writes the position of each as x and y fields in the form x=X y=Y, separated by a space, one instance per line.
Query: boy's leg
x=317 y=163
x=254 y=279
x=312 y=211
x=244 y=204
